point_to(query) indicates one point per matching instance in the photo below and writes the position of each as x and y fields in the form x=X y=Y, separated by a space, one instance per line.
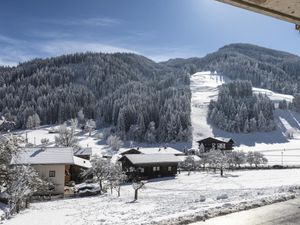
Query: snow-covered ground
x=276 y=145
x=96 y=141
x=165 y=200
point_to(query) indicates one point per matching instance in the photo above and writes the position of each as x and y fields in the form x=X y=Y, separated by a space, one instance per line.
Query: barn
x=150 y=165
x=207 y=144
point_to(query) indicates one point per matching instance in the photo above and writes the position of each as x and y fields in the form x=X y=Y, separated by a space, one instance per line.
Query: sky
x=158 y=29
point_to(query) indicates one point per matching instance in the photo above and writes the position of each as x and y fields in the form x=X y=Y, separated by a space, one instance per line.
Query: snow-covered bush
x=289 y=133
x=236 y=158
x=222 y=197
x=218 y=159
x=188 y=164
x=114 y=142
x=45 y=141
x=256 y=158
x=66 y=137
x=90 y=125
x=33 y=121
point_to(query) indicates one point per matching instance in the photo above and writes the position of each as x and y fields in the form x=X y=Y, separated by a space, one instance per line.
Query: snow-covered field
x=95 y=141
x=166 y=200
x=277 y=147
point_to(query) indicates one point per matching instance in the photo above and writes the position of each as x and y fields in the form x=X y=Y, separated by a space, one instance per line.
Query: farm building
x=59 y=165
x=210 y=143
x=150 y=165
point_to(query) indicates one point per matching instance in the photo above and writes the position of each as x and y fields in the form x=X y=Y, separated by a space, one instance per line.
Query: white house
x=59 y=165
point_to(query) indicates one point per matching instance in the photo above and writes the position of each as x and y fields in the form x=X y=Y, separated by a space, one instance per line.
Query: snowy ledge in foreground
x=225 y=209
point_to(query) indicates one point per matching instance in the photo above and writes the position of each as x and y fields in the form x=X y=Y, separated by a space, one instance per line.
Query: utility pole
x=282 y=157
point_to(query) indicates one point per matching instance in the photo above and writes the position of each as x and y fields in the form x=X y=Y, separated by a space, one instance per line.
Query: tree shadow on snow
x=251 y=139
x=161 y=179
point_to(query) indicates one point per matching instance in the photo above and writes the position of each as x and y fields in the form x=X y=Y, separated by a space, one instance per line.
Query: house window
x=156 y=168
x=142 y=170
x=51 y=173
x=169 y=168
x=221 y=146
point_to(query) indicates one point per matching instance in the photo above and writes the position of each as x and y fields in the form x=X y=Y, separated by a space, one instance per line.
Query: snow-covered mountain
x=276 y=145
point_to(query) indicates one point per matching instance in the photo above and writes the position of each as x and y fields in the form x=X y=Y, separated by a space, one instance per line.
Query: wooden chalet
x=210 y=143
x=150 y=165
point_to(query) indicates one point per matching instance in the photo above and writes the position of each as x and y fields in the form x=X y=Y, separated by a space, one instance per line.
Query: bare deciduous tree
x=114 y=142
x=66 y=137
x=99 y=171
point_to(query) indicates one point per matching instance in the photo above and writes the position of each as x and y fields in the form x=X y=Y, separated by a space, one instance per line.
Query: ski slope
x=276 y=145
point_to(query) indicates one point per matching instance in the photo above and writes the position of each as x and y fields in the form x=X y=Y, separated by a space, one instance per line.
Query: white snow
x=183 y=157
x=163 y=200
x=157 y=150
x=95 y=141
x=152 y=158
x=275 y=97
x=277 y=147
x=53 y=155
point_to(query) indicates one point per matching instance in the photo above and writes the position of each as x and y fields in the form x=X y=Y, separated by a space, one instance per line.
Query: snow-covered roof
x=83 y=151
x=152 y=158
x=183 y=157
x=216 y=139
x=226 y=139
x=125 y=150
x=53 y=155
x=162 y=150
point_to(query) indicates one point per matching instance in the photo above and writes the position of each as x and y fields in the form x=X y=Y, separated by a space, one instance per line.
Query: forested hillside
x=142 y=99
x=265 y=68
x=238 y=110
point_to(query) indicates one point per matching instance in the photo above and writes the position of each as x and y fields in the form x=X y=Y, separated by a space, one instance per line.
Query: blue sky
x=158 y=29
